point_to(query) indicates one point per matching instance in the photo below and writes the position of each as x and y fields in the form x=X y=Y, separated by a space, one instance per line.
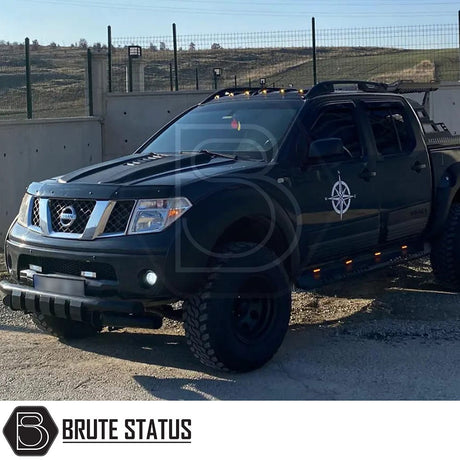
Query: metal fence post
x=90 y=82
x=171 y=77
x=109 y=57
x=197 y=83
x=28 y=82
x=313 y=41
x=175 y=57
x=130 y=73
x=458 y=45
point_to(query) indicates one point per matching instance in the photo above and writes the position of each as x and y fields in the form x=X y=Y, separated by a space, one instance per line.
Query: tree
x=216 y=46
x=53 y=45
x=153 y=47
x=83 y=43
x=162 y=46
x=192 y=47
x=97 y=46
x=35 y=45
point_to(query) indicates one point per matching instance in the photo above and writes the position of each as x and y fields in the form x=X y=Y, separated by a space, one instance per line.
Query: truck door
x=338 y=201
x=403 y=177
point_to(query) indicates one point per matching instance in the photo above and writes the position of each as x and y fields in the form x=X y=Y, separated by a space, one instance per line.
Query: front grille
x=68 y=267
x=119 y=217
x=36 y=213
x=82 y=209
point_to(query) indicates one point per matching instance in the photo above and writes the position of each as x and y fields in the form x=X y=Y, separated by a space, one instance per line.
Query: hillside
x=58 y=73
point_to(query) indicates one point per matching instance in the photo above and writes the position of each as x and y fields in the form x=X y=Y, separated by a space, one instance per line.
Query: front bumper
x=76 y=308
x=117 y=274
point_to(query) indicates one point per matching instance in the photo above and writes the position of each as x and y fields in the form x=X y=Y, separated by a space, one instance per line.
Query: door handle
x=367 y=175
x=417 y=166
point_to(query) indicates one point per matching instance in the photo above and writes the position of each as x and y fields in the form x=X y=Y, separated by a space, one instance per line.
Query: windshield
x=248 y=129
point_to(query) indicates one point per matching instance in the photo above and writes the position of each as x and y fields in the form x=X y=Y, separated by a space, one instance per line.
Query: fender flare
x=446 y=191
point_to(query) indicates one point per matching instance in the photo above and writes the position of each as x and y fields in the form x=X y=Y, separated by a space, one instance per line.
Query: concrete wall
x=33 y=150
x=132 y=117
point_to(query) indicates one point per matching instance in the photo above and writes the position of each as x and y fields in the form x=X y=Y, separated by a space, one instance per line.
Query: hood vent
x=143 y=160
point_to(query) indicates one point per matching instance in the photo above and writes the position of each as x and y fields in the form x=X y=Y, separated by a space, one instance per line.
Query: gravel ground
x=391 y=334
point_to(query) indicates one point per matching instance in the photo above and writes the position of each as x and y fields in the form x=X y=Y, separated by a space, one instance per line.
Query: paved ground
x=389 y=335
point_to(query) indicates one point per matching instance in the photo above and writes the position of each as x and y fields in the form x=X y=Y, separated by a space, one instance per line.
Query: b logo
x=30 y=431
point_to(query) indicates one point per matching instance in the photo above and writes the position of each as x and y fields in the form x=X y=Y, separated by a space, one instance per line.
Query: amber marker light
x=349 y=262
x=404 y=248
x=173 y=212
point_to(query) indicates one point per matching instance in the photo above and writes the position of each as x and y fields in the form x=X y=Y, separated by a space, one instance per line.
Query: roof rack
x=230 y=92
x=327 y=87
x=399 y=87
x=410 y=86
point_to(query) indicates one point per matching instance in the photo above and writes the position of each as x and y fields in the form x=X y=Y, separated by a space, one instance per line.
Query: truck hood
x=152 y=168
x=134 y=175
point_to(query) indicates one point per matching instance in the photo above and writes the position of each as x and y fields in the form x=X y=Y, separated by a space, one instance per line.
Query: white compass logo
x=340 y=197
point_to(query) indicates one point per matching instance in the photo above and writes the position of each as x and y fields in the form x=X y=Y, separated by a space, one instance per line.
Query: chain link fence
x=58 y=81
x=420 y=53
x=283 y=59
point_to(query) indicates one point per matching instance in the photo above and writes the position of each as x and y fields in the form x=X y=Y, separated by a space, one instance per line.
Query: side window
x=391 y=128
x=338 y=121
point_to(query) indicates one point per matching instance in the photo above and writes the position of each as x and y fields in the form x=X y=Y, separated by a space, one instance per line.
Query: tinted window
x=338 y=121
x=250 y=129
x=391 y=128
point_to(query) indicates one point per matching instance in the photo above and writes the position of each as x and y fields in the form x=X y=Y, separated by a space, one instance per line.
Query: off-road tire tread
x=443 y=260
x=195 y=313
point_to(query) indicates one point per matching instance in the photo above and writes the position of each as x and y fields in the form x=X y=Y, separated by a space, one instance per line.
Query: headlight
x=155 y=215
x=23 y=216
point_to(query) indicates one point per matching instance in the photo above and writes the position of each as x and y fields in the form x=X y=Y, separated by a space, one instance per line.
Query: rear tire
x=63 y=328
x=238 y=321
x=445 y=252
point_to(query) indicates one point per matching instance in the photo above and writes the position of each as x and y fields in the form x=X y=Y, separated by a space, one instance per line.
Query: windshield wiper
x=214 y=154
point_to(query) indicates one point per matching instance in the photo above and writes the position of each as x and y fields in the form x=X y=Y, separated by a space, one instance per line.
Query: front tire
x=445 y=252
x=63 y=328
x=238 y=321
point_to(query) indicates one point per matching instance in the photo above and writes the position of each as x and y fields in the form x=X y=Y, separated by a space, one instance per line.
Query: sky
x=66 y=21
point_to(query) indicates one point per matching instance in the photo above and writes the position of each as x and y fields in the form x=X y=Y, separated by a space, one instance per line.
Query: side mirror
x=323 y=148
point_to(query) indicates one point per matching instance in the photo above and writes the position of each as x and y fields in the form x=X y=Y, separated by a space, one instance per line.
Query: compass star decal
x=340 y=197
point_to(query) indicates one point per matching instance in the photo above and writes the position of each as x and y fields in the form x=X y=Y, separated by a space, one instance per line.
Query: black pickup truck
x=230 y=205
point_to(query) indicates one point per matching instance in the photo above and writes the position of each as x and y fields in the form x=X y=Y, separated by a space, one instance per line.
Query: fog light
x=150 y=278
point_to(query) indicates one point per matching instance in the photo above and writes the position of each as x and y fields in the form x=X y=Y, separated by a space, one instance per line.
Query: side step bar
x=317 y=276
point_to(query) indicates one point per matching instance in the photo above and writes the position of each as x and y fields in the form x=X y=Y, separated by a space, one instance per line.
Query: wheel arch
x=279 y=236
